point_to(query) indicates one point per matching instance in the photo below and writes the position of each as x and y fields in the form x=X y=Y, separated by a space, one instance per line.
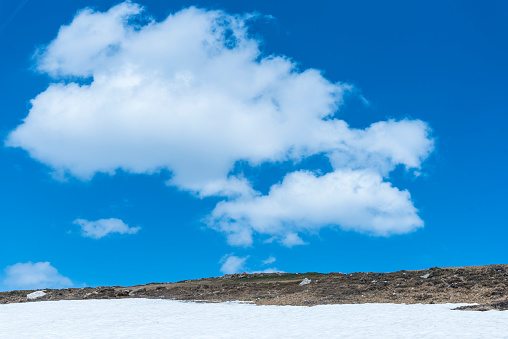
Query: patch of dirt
x=498 y=305
x=482 y=285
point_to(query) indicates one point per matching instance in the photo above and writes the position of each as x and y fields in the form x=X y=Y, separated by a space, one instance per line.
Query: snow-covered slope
x=146 y=318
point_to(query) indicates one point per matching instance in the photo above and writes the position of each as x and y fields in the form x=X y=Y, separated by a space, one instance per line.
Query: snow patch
x=35 y=295
x=305 y=281
x=149 y=318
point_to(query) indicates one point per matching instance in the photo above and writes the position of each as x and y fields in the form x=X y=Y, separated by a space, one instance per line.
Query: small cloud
x=269 y=270
x=269 y=260
x=292 y=239
x=34 y=276
x=102 y=227
x=232 y=264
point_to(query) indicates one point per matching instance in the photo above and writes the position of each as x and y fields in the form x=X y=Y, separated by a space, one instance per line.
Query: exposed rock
x=141 y=289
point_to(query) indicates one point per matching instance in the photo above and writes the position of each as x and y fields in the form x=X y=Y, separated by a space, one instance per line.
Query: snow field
x=147 y=318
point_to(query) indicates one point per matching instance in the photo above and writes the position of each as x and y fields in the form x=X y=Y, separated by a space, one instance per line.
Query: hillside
x=483 y=285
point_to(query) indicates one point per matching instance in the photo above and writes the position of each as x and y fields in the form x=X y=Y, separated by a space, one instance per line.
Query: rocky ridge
x=486 y=286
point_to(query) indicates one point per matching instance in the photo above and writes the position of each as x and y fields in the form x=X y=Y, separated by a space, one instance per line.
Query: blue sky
x=336 y=136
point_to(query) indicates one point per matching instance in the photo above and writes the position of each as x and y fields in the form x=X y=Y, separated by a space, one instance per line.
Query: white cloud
x=183 y=94
x=34 y=276
x=356 y=200
x=269 y=260
x=194 y=95
x=383 y=145
x=269 y=270
x=102 y=227
x=291 y=239
x=232 y=264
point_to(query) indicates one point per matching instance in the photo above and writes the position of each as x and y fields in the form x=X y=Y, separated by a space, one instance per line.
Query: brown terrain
x=485 y=286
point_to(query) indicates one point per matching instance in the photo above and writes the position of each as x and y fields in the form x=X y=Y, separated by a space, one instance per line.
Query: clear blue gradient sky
x=442 y=63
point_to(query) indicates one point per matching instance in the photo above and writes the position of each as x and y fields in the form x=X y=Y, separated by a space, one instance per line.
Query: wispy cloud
x=13 y=15
x=268 y=270
x=103 y=227
x=269 y=260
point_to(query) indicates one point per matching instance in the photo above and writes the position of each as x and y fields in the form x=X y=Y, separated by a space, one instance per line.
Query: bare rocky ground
x=482 y=285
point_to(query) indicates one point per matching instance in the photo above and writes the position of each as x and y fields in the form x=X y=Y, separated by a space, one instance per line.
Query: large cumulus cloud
x=354 y=200
x=194 y=95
